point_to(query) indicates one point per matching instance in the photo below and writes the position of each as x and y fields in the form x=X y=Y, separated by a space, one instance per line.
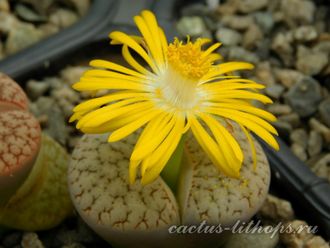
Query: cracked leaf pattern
x=98 y=182
x=11 y=94
x=206 y=194
x=20 y=141
x=43 y=200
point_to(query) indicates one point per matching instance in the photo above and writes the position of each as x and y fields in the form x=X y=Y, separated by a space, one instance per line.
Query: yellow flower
x=181 y=88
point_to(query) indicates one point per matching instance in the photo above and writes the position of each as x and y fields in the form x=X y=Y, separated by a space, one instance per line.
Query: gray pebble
x=279 y=109
x=191 y=25
x=322 y=167
x=41 y=6
x=28 y=14
x=4 y=6
x=304 y=96
x=252 y=36
x=298 y=11
x=57 y=124
x=281 y=44
x=288 y=77
x=35 y=89
x=248 y=6
x=7 y=22
x=265 y=74
x=237 y=22
x=31 y=239
x=228 y=37
x=315 y=143
x=292 y=118
x=299 y=151
x=81 y=6
x=324 y=111
x=21 y=37
x=241 y=54
x=305 y=33
x=310 y=62
x=275 y=91
x=264 y=20
x=300 y=137
x=319 y=127
x=63 y=18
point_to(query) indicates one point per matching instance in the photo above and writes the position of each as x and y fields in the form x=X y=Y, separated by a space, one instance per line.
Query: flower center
x=188 y=59
x=178 y=85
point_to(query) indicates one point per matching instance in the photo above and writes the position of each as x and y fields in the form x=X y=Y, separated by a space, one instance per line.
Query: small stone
x=275 y=91
x=310 y=62
x=288 y=77
x=21 y=37
x=304 y=96
x=240 y=54
x=248 y=6
x=31 y=240
x=48 y=29
x=322 y=167
x=264 y=20
x=82 y=6
x=284 y=128
x=27 y=14
x=57 y=124
x=316 y=242
x=315 y=143
x=7 y=22
x=293 y=119
x=265 y=74
x=281 y=44
x=279 y=109
x=42 y=7
x=63 y=18
x=191 y=25
x=237 y=22
x=319 y=127
x=323 y=47
x=295 y=238
x=299 y=151
x=253 y=240
x=324 y=111
x=300 y=137
x=305 y=33
x=276 y=209
x=228 y=37
x=4 y=6
x=298 y=11
x=35 y=89
x=252 y=36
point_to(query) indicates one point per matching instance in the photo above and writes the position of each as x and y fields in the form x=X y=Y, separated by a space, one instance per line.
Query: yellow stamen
x=189 y=59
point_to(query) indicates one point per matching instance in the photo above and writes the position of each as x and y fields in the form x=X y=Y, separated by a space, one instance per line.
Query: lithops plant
x=132 y=215
x=20 y=138
x=126 y=215
x=33 y=189
x=185 y=91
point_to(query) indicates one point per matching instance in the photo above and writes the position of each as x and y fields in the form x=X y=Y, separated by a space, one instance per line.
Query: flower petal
x=125 y=39
x=211 y=148
x=115 y=67
x=133 y=126
x=253 y=126
x=163 y=153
